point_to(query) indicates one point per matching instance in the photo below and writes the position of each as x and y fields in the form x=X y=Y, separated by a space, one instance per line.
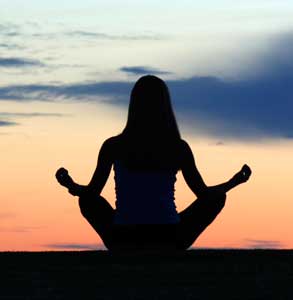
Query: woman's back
x=144 y=183
x=144 y=197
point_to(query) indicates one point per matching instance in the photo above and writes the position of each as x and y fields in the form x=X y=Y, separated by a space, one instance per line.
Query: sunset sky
x=67 y=69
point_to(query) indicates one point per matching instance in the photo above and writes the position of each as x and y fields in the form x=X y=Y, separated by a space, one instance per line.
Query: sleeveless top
x=144 y=197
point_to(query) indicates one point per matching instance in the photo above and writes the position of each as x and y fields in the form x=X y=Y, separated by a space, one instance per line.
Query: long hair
x=150 y=112
x=151 y=132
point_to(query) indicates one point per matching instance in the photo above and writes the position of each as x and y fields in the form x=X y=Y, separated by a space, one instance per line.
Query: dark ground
x=197 y=274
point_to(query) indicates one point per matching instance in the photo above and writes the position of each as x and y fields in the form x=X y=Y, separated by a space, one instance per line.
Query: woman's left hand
x=243 y=175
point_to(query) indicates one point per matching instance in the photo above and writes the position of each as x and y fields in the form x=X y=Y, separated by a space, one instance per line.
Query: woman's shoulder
x=112 y=140
x=185 y=152
x=184 y=146
x=111 y=145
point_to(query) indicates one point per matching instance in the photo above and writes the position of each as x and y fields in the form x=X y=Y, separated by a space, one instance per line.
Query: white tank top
x=144 y=197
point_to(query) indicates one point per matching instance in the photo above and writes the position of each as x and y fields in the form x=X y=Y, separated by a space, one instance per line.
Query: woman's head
x=151 y=133
x=150 y=111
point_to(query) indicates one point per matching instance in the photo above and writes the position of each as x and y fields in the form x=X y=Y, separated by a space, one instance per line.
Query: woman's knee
x=216 y=199
x=220 y=199
x=85 y=205
x=94 y=205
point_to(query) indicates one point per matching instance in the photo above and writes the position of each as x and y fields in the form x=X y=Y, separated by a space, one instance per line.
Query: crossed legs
x=197 y=217
x=100 y=214
x=193 y=221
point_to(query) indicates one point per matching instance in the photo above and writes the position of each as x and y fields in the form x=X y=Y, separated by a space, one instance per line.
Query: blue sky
x=187 y=37
x=227 y=63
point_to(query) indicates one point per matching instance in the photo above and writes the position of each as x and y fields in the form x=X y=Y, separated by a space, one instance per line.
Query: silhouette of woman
x=146 y=157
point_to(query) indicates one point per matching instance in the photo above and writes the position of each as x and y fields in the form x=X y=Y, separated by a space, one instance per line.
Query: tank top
x=144 y=197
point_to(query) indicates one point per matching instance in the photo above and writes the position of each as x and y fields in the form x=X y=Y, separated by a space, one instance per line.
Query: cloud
x=90 y=34
x=30 y=115
x=107 y=36
x=250 y=108
x=218 y=143
x=77 y=91
x=257 y=106
x=14 y=115
x=9 y=30
x=69 y=246
x=3 y=45
x=262 y=244
x=15 y=62
x=10 y=46
x=245 y=109
x=7 y=123
x=21 y=229
x=142 y=70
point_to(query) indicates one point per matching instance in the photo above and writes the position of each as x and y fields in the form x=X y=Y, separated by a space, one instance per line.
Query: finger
x=62 y=172
x=246 y=169
x=57 y=174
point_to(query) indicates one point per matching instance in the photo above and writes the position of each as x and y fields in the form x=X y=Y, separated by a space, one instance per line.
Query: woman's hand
x=63 y=178
x=242 y=176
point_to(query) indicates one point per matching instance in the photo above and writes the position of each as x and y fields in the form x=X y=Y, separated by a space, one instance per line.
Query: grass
x=196 y=274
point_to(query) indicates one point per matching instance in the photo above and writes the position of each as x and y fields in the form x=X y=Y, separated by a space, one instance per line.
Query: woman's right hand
x=63 y=178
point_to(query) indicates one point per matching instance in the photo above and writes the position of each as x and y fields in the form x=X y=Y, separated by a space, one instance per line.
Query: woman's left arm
x=240 y=177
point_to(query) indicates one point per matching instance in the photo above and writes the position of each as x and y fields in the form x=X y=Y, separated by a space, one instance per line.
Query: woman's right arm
x=65 y=180
x=99 y=178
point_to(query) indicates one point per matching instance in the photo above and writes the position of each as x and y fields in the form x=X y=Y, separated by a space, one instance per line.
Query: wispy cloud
x=69 y=246
x=90 y=34
x=16 y=62
x=30 y=115
x=20 y=229
x=87 y=90
x=9 y=30
x=12 y=30
x=7 y=123
x=109 y=36
x=9 y=117
x=143 y=70
x=262 y=244
x=10 y=46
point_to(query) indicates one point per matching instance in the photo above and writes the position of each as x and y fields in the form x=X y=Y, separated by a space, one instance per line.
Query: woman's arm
x=190 y=172
x=65 y=180
x=99 y=178
x=240 y=177
x=103 y=169
x=195 y=181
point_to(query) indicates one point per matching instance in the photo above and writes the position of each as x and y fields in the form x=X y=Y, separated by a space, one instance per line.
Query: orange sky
x=37 y=214
x=77 y=55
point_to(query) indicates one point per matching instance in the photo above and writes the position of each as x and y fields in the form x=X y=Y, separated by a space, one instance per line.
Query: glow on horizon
x=37 y=212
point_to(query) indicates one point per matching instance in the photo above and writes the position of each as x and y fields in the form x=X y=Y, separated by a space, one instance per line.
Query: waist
x=145 y=211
